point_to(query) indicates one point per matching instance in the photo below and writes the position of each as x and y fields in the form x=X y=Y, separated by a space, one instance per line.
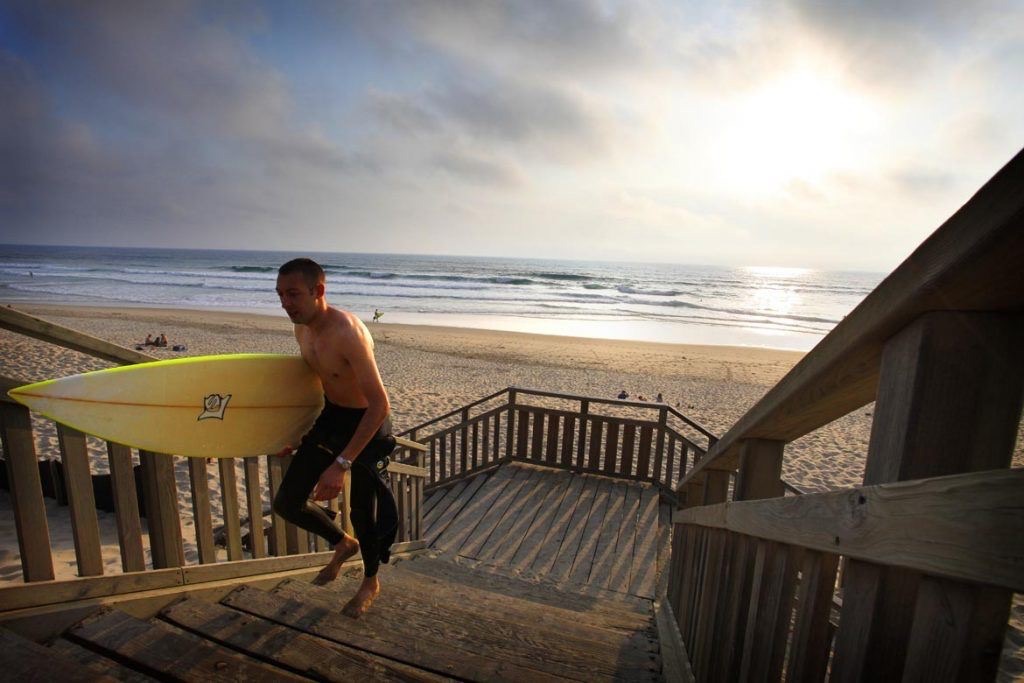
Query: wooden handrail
x=965 y=526
x=971 y=263
x=455 y=412
x=22 y=323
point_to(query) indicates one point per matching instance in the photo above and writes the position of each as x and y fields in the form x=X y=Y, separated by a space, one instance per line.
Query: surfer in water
x=351 y=436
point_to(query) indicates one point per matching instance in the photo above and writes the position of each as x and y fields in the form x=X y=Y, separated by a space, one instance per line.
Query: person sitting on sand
x=623 y=395
x=149 y=340
x=162 y=340
x=351 y=435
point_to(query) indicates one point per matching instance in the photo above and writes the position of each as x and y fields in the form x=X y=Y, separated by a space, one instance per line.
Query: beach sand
x=431 y=370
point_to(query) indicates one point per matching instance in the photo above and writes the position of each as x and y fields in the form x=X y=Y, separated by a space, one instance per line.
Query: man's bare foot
x=361 y=601
x=344 y=549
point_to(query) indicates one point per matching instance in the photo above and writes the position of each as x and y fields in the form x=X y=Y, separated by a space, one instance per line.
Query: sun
x=799 y=125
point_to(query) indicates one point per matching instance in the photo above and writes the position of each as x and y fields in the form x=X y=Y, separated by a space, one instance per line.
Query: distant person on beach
x=377 y=315
x=351 y=435
x=660 y=398
x=149 y=340
x=623 y=394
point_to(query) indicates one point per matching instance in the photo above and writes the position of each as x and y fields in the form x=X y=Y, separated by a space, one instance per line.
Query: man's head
x=300 y=287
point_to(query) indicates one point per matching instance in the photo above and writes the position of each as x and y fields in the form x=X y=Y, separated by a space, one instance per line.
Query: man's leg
x=363 y=490
x=293 y=504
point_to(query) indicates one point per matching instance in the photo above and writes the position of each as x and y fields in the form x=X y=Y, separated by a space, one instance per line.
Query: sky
x=794 y=133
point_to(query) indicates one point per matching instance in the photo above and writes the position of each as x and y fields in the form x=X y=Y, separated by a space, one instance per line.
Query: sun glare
x=798 y=126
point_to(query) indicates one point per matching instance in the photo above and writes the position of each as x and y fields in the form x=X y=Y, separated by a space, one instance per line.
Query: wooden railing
x=930 y=550
x=649 y=442
x=159 y=526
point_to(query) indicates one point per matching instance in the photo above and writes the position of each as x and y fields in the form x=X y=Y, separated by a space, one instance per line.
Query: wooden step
x=547 y=635
x=286 y=647
x=63 y=647
x=168 y=653
x=411 y=641
x=480 y=577
x=450 y=593
x=24 y=660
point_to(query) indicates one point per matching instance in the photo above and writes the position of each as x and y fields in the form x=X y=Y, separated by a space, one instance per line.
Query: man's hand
x=330 y=484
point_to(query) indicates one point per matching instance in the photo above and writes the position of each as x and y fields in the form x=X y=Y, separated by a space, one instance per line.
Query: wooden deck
x=579 y=532
x=435 y=620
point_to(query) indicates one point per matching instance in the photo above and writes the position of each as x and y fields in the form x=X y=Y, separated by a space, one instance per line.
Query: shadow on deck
x=533 y=574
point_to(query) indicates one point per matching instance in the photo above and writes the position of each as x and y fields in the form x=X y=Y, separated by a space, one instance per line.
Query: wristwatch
x=345 y=463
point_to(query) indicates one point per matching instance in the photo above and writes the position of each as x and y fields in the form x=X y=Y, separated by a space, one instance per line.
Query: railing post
x=949 y=401
x=659 y=448
x=509 y=428
x=161 y=502
x=581 y=441
x=760 y=470
x=464 y=448
x=26 y=492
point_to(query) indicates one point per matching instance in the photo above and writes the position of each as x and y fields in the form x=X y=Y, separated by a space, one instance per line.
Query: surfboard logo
x=214 y=406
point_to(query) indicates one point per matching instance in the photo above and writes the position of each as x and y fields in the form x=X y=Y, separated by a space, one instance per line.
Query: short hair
x=310 y=270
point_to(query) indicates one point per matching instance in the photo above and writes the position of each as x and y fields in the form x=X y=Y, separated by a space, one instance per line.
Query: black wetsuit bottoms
x=374 y=512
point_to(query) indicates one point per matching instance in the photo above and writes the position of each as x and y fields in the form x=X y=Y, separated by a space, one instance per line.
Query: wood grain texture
x=26 y=493
x=966 y=526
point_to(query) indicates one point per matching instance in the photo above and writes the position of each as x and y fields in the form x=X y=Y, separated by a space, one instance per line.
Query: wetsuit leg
x=292 y=499
x=374 y=512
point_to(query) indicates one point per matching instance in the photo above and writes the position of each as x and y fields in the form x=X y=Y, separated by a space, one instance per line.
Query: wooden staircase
x=581 y=533
x=435 y=619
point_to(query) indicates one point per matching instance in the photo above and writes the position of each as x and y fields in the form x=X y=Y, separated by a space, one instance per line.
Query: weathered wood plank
x=564 y=555
x=643 y=455
x=299 y=652
x=456 y=499
x=229 y=507
x=499 y=538
x=537 y=436
x=162 y=520
x=771 y=620
x=606 y=533
x=23 y=660
x=475 y=543
x=957 y=632
x=611 y=448
x=126 y=507
x=254 y=506
x=522 y=432
x=628 y=448
x=544 y=523
x=595 y=431
x=620 y=572
x=523 y=637
x=583 y=562
x=26 y=493
x=644 y=567
x=199 y=483
x=808 y=653
x=85 y=527
x=967 y=526
x=624 y=615
x=732 y=626
x=509 y=533
x=278 y=542
x=156 y=648
x=709 y=603
x=91 y=661
x=551 y=442
x=416 y=644
x=664 y=554
x=473 y=511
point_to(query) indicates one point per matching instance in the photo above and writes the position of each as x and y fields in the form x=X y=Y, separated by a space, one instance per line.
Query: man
x=351 y=435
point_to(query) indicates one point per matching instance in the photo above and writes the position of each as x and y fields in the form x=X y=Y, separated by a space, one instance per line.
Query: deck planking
x=594 y=534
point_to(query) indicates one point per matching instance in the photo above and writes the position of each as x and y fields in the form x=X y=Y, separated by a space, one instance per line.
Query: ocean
x=768 y=307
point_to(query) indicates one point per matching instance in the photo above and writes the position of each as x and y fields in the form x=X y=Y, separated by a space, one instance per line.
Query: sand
x=431 y=370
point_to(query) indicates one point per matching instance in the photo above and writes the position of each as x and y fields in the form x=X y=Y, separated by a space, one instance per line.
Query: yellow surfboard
x=206 y=406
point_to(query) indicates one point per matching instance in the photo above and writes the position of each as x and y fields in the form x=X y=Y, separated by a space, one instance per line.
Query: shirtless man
x=351 y=435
